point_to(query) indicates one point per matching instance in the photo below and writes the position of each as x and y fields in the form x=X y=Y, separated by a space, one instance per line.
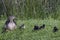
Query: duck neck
x=11 y=20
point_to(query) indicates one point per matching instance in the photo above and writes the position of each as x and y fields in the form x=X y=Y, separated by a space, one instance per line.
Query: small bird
x=42 y=27
x=55 y=29
x=22 y=26
x=36 y=27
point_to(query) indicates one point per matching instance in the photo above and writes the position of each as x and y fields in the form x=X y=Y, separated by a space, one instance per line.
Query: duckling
x=55 y=29
x=22 y=26
x=36 y=27
x=42 y=27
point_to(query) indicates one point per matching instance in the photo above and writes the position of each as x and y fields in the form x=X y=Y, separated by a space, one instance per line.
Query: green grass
x=28 y=34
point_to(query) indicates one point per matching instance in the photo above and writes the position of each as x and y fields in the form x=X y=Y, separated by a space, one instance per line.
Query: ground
x=28 y=34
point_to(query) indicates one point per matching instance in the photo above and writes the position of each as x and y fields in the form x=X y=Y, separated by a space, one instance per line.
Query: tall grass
x=27 y=9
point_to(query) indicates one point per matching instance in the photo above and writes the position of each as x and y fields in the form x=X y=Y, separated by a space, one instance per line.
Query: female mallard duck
x=10 y=24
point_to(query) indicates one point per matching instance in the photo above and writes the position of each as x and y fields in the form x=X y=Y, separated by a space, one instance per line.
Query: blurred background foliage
x=30 y=9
